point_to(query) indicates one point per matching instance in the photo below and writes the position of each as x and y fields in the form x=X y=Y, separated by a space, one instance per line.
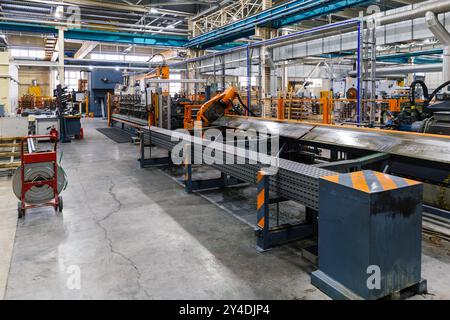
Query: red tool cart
x=49 y=156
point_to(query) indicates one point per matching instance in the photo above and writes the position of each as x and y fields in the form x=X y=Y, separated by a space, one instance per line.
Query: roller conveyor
x=293 y=181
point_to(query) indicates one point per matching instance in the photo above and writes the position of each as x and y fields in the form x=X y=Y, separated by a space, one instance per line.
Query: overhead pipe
x=436 y=6
x=11 y=6
x=439 y=6
x=443 y=36
x=106 y=5
x=259 y=20
x=407 y=69
x=27 y=63
x=110 y=20
x=133 y=28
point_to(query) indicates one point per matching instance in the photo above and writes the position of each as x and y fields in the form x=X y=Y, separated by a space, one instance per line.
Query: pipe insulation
x=406 y=69
x=439 y=6
x=443 y=36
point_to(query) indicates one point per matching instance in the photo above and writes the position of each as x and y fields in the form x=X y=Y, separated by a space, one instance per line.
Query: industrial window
x=34 y=54
x=71 y=79
x=133 y=58
x=118 y=57
x=175 y=87
x=244 y=83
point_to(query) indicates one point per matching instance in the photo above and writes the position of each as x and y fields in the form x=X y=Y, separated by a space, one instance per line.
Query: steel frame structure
x=235 y=11
x=275 y=17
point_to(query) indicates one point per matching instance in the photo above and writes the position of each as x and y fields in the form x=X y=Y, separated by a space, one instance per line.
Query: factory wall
x=40 y=74
x=434 y=80
x=8 y=84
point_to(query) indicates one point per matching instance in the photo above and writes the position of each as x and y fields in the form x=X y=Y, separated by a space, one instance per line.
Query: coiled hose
x=412 y=92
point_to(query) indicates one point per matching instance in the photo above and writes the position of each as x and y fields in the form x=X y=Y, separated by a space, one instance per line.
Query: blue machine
x=102 y=82
x=370 y=234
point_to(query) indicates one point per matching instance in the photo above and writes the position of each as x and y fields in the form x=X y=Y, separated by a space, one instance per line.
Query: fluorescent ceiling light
x=153 y=10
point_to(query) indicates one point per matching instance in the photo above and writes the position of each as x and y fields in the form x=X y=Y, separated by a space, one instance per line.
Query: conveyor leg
x=150 y=162
x=187 y=168
x=267 y=237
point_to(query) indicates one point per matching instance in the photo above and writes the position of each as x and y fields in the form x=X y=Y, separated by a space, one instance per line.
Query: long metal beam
x=107 y=5
x=276 y=17
x=100 y=35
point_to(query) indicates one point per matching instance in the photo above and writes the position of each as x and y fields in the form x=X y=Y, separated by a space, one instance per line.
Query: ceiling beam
x=107 y=5
x=85 y=49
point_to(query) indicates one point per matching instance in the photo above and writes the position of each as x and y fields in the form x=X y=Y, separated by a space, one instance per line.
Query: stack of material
x=28 y=101
x=9 y=155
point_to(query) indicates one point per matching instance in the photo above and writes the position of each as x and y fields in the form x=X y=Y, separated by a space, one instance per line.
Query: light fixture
x=117 y=68
x=170 y=26
x=153 y=10
x=91 y=68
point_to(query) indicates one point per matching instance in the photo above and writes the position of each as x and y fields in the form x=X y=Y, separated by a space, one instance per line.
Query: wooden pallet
x=9 y=155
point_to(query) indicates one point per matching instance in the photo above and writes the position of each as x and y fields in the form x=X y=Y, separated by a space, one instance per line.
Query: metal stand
x=191 y=185
x=267 y=237
x=152 y=162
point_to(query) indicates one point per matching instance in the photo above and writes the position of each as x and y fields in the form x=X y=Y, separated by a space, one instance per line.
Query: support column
x=446 y=67
x=265 y=84
x=284 y=77
x=264 y=34
x=61 y=75
x=410 y=77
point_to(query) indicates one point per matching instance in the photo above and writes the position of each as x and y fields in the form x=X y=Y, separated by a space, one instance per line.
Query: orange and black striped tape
x=370 y=181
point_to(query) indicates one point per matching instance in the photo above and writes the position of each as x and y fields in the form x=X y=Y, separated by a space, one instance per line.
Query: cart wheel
x=60 y=204
x=20 y=211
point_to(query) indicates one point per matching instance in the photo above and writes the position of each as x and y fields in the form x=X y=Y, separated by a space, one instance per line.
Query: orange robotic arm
x=217 y=106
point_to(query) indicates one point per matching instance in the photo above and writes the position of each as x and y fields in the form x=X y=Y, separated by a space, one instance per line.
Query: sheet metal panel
x=417 y=146
x=293 y=131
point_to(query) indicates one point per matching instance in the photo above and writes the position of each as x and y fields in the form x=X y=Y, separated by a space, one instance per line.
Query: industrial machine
x=129 y=109
x=426 y=117
x=69 y=116
x=102 y=82
x=160 y=72
x=215 y=108
x=39 y=180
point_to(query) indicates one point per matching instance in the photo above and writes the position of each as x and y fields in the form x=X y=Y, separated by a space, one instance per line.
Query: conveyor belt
x=293 y=181
x=412 y=145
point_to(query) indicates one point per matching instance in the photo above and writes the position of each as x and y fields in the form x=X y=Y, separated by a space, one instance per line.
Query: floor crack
x=117 y=201
x=98 y=222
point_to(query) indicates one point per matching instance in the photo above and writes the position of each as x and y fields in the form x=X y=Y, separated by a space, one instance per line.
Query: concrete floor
x=135 y=234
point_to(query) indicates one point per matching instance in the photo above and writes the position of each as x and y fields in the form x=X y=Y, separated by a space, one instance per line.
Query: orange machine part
x=227 y=97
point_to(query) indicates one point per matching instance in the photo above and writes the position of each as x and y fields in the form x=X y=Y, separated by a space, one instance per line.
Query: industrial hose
x=245 y=107
x=412 y=93
x=442 y=86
